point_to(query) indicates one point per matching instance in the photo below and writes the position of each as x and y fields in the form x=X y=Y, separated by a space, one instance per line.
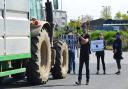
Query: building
x=101 y=24
x=59 y=18
x=116 y=24
x=95 y=24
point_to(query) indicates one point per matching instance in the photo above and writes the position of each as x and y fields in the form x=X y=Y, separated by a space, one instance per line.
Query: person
x=72 y=47
x=117 y=50
x=84 y=57
x=100 y=55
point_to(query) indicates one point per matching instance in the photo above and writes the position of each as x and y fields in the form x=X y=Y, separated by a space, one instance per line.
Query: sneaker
x=104 y=73
x=74 y=72
x=87 y=82
x=118 y=73
x=78 y=83
x=97 y=72
x=68 y=72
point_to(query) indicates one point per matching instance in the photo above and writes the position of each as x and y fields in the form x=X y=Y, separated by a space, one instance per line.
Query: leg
x=80 y=69
x=73 y=62
x=81 y=62
x=103 y=63
x=98 y=64
x=118 y=66
x=69 y=63
x=87 y=70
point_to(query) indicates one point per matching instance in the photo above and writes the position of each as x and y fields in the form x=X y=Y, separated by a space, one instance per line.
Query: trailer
x=27 y=46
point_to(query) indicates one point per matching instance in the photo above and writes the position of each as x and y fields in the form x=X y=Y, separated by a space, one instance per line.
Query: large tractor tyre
x=53 y=56
x=38 y=67
x=60 y=68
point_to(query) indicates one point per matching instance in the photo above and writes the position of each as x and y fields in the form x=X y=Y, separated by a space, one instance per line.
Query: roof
x=116 y=22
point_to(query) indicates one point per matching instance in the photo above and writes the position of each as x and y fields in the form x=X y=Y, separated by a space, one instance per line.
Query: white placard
x=97 y=45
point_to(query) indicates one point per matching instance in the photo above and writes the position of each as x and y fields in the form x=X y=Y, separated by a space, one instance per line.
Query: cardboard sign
x=97 y=45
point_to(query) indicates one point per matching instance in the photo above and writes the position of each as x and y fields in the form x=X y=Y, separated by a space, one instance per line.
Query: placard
x=97 y=45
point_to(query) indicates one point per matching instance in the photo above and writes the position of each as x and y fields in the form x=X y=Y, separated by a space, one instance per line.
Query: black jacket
x=117 y=45
x=85 y=49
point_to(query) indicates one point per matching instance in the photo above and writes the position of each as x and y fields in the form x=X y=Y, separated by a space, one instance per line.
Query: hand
x=115 y=51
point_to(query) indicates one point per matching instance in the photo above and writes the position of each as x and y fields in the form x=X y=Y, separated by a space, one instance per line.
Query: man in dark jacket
x=117 y=50
x=100 y=55
x=84 y=57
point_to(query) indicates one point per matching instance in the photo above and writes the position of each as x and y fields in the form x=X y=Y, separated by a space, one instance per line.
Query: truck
x=28 y=49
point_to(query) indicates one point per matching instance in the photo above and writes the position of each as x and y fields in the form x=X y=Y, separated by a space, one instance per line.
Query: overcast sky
x=77 y=8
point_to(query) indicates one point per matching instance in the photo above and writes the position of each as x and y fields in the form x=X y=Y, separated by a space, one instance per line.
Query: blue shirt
x=71 y=40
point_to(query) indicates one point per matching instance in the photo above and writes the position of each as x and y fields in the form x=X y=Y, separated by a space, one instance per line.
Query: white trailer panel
x=17 y=27
x=1 y=24
x=17 y=45
x=1 y=4
x=18 y=5
x=1 y=46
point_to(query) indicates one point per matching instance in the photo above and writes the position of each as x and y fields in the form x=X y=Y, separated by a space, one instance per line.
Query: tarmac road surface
x=108 y=81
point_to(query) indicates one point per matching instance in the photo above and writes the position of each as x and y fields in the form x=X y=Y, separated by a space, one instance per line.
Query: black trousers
x=118 y=63
x=84 y=60
x=98 y=62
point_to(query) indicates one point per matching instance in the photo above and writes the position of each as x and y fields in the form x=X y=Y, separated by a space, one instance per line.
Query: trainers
x=68 y=72
x=78 y=83
x=97 y=72
x=87 y=82
x=118 y=73
x=104 y=73
x=74 y=72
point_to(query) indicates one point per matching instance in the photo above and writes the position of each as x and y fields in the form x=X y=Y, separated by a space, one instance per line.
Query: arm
x=83 y=40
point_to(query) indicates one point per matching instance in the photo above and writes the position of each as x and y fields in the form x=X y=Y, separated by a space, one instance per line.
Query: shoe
x=87 y=82
x=78 y=83
x=104 y=73
x=74 y=72
x=97 y=72
x=118 y=73
x=68 y=72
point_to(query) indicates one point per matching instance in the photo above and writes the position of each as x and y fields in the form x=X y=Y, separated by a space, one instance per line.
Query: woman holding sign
x=100 y=55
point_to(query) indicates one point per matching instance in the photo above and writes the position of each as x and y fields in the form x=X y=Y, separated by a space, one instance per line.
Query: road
x=108 y=81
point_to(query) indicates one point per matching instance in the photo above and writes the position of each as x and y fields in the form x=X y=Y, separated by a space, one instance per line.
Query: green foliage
x=75 y=23
x=121 y=16
x=58 y=33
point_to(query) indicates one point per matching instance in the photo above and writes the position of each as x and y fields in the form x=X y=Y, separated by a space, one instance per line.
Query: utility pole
x=61 y=4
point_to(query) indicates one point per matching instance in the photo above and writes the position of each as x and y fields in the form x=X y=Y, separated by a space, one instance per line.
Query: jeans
x=71 y=64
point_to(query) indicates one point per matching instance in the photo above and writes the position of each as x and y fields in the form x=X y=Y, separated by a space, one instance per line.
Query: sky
x=76 y=8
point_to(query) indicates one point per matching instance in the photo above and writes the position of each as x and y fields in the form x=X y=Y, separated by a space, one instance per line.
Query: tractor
x=28 y=49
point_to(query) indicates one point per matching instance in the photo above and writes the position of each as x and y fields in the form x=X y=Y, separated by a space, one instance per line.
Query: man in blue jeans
x=71 y=40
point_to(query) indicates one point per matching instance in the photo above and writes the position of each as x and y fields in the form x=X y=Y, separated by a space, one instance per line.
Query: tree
x=88 y=18
x=121 y=16
x=118 y=16
x=75 y=23
x=106 y=13
x=124 y=17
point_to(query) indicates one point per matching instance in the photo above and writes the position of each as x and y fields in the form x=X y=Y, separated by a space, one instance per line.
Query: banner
x=97 y=45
